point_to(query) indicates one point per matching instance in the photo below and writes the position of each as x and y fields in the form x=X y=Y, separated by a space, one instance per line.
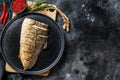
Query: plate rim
x=32 y=72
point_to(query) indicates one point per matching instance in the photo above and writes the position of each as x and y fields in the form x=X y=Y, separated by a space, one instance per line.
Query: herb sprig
x=40 y=5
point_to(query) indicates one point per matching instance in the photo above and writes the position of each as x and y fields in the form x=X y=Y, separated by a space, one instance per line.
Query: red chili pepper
x=5 y=19
x=3 y=11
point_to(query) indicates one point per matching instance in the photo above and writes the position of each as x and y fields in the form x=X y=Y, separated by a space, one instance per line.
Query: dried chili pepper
x=5 y=19
x=3 y=11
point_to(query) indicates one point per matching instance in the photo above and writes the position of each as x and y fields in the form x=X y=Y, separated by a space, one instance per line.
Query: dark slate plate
x=10 y=38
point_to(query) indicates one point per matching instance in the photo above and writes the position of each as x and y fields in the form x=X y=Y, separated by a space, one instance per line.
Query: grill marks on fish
x=34 y=35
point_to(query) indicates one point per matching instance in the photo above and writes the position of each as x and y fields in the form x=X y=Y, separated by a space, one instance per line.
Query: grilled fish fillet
x=33 y=37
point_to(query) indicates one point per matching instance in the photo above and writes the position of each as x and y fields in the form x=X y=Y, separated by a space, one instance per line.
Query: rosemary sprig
x=40 y=7
x=42 y=1
x=38 y=2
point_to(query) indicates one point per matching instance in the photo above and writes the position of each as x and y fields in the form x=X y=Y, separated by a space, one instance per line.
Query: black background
x=92 y=50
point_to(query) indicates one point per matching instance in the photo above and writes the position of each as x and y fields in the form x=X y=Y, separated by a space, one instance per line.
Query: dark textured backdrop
x=92 y=50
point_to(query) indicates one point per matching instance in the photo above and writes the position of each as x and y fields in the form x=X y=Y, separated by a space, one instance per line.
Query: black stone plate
x=10 y=38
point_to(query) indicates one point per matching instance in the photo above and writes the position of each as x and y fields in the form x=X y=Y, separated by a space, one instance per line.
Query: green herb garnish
x=39 y=5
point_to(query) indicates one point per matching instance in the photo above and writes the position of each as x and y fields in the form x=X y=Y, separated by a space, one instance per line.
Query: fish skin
x=33 y=37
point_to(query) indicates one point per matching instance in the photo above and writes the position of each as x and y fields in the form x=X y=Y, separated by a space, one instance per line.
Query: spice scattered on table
x=18 y=5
